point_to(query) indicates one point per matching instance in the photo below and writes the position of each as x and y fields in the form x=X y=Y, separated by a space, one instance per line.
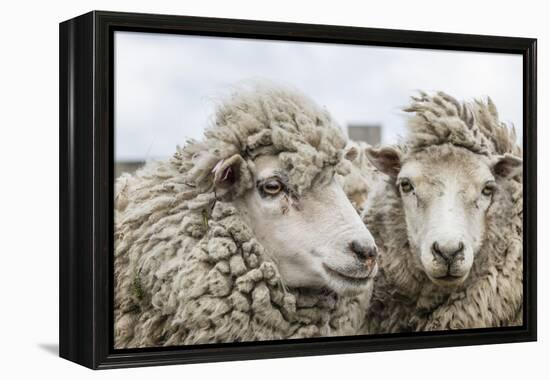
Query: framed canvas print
x=236 y=189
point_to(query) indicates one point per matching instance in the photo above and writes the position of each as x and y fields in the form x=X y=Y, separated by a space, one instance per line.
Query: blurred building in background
x=127 y=167
x=369 y=133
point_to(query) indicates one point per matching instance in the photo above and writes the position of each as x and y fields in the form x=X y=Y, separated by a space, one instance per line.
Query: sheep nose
x=448 y=251
x=366 y=252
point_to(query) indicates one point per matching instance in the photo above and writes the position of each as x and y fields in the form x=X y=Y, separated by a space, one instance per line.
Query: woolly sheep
x=449 y=224
x=244 y=236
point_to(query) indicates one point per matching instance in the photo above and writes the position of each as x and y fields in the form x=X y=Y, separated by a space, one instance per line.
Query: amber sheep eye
x=272 y=187
x=488 y=189
x=406 y=186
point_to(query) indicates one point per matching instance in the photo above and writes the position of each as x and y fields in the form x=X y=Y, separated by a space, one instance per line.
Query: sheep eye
x=488 y=189
x=406 y=186
x=272 y=187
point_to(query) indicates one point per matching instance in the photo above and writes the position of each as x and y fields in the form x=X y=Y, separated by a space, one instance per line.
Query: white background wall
x=29 y=191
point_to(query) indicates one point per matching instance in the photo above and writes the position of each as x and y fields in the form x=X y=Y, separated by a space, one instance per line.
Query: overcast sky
x=166 y=85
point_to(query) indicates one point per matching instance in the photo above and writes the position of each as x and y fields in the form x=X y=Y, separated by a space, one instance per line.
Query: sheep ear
x=351 y=153
x=386 y=159
x=229 y=173
x=507 y=166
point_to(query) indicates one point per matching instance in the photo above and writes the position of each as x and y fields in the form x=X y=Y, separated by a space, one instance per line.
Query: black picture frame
x=86 y=187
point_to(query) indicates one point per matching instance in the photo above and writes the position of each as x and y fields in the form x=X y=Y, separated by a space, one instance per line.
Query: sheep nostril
x=447 y=253
x=459 y=253
x=372 y=252
x=363 y=251
x=358 y=249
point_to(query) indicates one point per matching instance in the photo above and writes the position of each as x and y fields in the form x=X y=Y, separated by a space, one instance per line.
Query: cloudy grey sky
x=166 y=85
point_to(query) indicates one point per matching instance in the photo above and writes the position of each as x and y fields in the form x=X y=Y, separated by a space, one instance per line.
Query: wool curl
x=266 y=120
x=441 y=119
x=404 y=298
x=362 y=180
x=188 y=269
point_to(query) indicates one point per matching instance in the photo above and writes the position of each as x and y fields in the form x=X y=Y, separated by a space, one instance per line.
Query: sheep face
x=445 y=193
x=317 y=238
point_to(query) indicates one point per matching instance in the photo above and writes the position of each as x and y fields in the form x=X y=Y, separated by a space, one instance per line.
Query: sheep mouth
x=448 y=280
x=356 y=279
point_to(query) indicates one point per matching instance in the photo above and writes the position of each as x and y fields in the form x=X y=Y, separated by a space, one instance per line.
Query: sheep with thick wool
x=244 y=236
x=449 y=223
